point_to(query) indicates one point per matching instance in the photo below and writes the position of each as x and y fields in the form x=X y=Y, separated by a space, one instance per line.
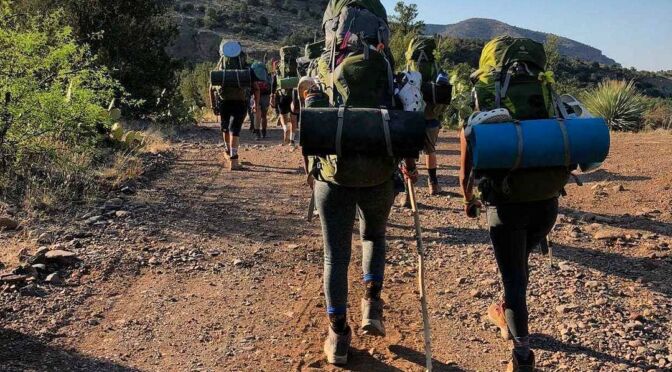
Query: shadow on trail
x=655 y=272
x=604 y=175
x=450 y=234
x=626 y=221
x=20 y=352
x=418 y=358
x=548 y=343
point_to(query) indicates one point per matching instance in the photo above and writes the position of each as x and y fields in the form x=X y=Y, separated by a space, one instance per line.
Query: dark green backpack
x=288 y=63
x=236 y=63
x=357 y=68
x=512 y=75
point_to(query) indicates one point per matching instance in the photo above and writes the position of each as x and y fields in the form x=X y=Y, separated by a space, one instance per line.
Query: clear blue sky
x=633 y=32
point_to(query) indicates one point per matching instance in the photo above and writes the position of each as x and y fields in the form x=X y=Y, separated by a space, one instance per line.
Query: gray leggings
x=338 y=207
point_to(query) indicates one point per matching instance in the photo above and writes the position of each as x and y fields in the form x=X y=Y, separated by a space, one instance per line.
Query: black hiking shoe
x=337 y=346
x=517 y=364
x=372 y=317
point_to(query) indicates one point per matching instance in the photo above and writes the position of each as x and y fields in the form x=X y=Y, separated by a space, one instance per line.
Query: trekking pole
x=311 y=208
x=421 y=276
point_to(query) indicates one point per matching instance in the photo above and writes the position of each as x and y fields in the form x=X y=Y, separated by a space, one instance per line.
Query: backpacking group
x=364 y=125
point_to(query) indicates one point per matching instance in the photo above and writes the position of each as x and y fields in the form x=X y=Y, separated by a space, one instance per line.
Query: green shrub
x=659 y=116
x=619 y=103
x=54 y=128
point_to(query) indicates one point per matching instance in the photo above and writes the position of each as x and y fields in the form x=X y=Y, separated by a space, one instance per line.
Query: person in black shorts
x=282 y=100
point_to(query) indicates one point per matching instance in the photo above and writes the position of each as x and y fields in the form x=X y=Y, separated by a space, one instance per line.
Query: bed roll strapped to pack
x=231 y=78
x=539 y=143
x=362 y=131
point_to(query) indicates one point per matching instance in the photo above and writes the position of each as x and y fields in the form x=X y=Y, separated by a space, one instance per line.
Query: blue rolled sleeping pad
x=539 y=144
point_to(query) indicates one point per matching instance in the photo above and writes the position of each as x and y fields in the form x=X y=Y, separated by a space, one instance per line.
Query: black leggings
x=515 y=230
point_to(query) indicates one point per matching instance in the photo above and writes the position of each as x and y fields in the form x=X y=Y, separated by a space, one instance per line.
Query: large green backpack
x=288 y=63
x=357 y=68
x=235 y=63
x=512 y=75
x=420 y=57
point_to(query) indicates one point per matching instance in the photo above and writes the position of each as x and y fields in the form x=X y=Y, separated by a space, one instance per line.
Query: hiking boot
x=434 y=189
x=336 y=347
x=257 y=136
x=518 y=365
x=234 y=163
x=404 y=200
x=372 y=317
x=496 y=316
x=263 y=133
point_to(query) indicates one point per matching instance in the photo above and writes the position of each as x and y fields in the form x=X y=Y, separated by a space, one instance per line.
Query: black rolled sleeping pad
x=363 y=132
x=440 y=94
x=231 y=78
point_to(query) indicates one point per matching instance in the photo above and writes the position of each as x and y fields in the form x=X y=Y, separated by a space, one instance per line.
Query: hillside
x=486 y=29
x=261 y=25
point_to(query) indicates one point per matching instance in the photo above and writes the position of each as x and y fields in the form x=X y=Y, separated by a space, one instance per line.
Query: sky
x=636 y=33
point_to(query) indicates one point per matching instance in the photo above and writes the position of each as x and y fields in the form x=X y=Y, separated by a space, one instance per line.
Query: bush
x=619 y=103
x=53 y=129
x=659 y=116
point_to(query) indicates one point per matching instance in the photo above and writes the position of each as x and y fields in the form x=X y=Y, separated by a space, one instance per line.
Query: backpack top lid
x=421 y=49
x=290 y=52
x=230 y=49
x=505 y=50
x=336 y=6
x=260 y=71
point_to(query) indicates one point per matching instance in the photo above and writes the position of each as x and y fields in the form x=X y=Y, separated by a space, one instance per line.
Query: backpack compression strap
x=386 y=129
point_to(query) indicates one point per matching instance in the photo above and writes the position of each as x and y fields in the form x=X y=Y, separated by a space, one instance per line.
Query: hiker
x=420 y=58
x=350 y=186
x=284 y=83
x=230 y=101
x=522 y=204
x=261 y=90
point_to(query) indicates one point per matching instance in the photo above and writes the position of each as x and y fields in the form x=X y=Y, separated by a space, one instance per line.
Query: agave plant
x=619 y=103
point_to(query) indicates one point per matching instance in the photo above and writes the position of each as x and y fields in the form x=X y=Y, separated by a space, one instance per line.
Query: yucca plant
x=619 y=103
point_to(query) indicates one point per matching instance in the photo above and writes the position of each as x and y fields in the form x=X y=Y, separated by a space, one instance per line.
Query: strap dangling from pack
x=339 y=131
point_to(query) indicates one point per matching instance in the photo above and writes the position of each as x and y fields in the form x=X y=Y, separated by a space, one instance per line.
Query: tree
x=130 y=37
x=553 y=56
x=405 y=19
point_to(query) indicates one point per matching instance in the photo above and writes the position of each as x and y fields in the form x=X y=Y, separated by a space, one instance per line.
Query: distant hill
x=486 y=29
x=261 y=25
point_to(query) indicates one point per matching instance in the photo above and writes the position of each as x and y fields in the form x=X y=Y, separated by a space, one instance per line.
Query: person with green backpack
x=285 y=82
x=420 y=58
x=230 y=101
x=522 y=204
x=261 y=93
x=357 y=72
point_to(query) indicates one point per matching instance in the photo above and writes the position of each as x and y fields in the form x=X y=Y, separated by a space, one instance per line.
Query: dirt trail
x=218 y=271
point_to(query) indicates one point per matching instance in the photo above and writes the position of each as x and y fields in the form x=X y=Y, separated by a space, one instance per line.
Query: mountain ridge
x=486 y=29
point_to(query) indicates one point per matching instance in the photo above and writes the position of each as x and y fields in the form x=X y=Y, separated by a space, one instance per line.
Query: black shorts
x=233 y=115
x=284 y=104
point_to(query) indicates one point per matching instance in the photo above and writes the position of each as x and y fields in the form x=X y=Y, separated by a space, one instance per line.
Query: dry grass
x=123 y=168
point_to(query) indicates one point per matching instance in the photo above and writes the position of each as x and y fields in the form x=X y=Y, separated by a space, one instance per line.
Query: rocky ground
x=199 y=269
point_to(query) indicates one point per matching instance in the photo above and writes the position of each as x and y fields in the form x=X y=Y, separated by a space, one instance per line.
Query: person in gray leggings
x=338 y=206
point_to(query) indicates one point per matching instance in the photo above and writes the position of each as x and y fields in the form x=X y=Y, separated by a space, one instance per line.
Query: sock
x=521 y=346
x=292 y=136
x=432 y=176
x=339 y=323
x=373 y=290
x=234 y=152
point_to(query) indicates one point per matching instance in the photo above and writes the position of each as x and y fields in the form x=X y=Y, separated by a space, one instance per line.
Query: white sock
x=292 y=136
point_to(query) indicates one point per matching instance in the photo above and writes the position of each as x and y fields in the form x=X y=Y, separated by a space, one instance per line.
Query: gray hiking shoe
x=336 y=347
x=372 y=318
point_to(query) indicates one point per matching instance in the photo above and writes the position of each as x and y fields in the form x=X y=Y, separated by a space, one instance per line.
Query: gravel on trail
x=195 y=268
